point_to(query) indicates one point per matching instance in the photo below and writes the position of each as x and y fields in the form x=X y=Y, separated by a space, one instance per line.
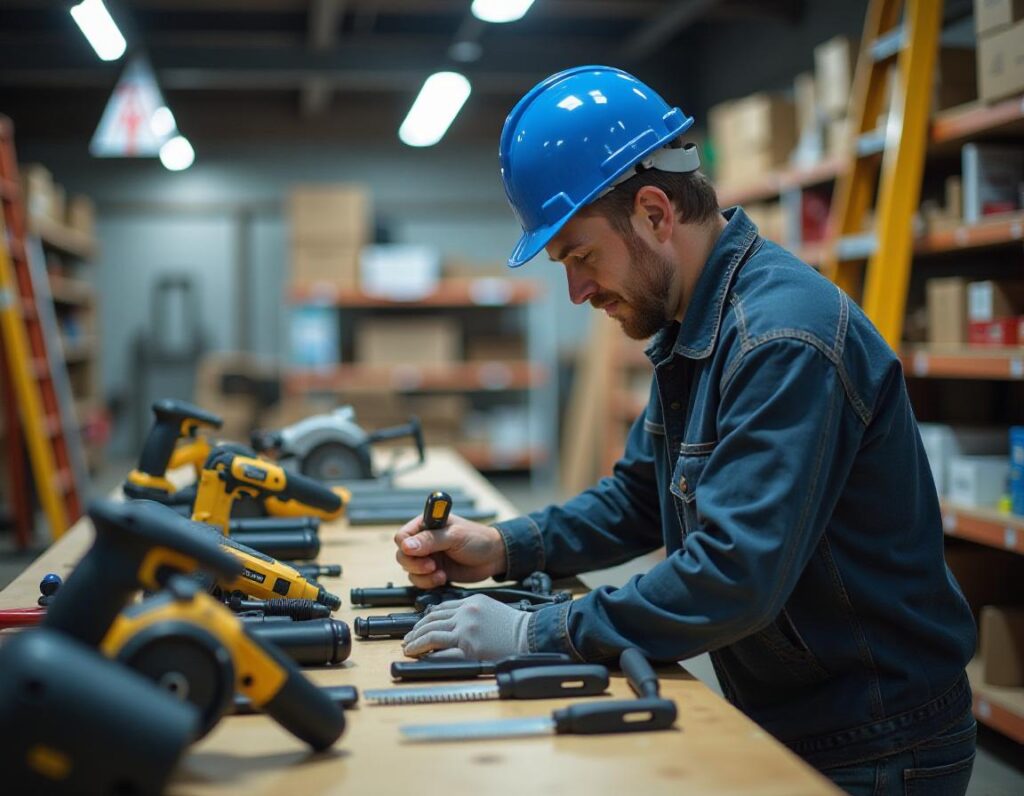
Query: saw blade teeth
x=425 y=698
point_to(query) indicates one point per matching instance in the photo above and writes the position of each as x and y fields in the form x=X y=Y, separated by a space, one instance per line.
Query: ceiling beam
x=324 y=16
x=662 y=27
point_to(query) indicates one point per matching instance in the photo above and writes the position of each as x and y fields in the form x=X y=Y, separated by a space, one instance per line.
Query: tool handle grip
x=385 y=597
x=639 y=673
x=632 y=715
x=549 y=682
x=307 y=490
x=345 y=696
x=302 y=708
x=437 y=670
x=314 y=642
x=295 y=544
x=158 y=447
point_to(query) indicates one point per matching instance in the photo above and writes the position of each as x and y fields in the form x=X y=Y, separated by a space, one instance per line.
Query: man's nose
x=581 y=287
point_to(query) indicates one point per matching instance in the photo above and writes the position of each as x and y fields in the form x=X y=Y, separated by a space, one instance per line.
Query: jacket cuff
x=524 y=548
x=548 y=631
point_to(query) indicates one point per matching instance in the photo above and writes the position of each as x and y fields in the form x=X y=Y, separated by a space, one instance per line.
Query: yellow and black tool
x=194 y=646
x=228 y=475
x=173 y=441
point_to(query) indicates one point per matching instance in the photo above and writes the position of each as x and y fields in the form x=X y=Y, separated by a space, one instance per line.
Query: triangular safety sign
x=126 y=130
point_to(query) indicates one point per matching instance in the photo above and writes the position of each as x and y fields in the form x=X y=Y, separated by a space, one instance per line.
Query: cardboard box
x=82 y=214
x=992 y=15
x=37 y=189
x=752 y=136
x=942 y=442
x=1003 y=332
x=332 y=265
x=991 y=174
x=413 y=341
x=978 y=481
x=989 y=300
x=330 y=214
x=489 y=349
x=834 y=64
x=806 y=101
x=838 y=137
x=1001 y=636
x=946 y=300
x=1001 y=63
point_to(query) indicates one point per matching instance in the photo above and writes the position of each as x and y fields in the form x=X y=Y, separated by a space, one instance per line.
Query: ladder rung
x=52 y=426
x=889 y=44
x=856 y=247
x=8 y=189
x=65 y=482
x=871 y=143
x=28 y=312
x=39 y=367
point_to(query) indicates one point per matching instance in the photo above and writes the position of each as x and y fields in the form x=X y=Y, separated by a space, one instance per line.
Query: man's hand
x=462 y=551
x=476 y=628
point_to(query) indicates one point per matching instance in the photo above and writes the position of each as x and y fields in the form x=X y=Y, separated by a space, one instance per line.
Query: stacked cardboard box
x=330 y=224
x=834 y=63
x=979 y=313
x=1001 y=639
x=752 y=136
x=409 y=341
x=942 y=444
x=999 y=25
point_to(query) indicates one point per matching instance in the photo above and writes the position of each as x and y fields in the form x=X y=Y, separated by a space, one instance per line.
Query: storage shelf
x=984 y=526
x=484 y=292
x=997 y=231
x=66 y=290
x=964 y=362
x=62 y=237
x=966 y=121
x=999 y=707
x=484 y=457
x=456 y=377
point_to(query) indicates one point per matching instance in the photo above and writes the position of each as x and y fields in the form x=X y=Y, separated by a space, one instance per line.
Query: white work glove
x=475 y=628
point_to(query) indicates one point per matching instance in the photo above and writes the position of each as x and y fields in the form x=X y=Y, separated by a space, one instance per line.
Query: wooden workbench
x=714 y=750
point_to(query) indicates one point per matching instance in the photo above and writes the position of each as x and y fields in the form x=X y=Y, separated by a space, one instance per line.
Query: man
x=778 y=461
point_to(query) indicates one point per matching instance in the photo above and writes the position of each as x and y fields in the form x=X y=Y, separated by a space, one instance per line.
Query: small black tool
x=345 y=696
x=639 y=673
x=294 y=608
x=436 y=510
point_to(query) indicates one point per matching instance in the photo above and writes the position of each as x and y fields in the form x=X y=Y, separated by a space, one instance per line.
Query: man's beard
x=644 y=311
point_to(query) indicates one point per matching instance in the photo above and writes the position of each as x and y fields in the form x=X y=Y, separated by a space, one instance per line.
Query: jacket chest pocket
x=686 y=475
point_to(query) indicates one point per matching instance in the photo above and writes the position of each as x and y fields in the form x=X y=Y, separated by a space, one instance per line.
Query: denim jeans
x=940 y=766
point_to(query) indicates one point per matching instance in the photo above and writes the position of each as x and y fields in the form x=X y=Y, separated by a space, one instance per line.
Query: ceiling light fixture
x=177 y=154
x=100 y=29
x=438 y=103
x=500 y=10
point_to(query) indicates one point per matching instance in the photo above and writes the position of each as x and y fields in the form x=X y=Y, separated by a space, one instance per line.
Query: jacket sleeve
x=787 y=440
x=616 y=520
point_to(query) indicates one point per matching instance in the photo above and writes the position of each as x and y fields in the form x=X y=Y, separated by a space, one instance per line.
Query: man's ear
x=654 y=212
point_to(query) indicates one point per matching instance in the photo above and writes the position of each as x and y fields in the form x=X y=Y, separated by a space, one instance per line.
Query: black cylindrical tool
x=316 y=642
x=426 y=669
x=294 y=543
x=639 y=673
x=436 y=510
x=390 y=626
x=346 y=696
x=314 y=571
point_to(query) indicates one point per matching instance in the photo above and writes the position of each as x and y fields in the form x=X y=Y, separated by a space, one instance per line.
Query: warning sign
x=126 y=129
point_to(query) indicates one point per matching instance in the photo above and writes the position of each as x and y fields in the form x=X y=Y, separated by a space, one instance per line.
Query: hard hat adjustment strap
x=679 y=160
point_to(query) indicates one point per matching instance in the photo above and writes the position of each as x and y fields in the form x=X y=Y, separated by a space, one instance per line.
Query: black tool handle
x=529 y=661
x=314 y=642
x=286 y=607
x=163 y=436
x=345 y=696
x=300 y=706
x=550 y=682
x=638 y=671
x=394 y=626
x=437 y=670
x=296 y=543
x=386 y=597
x=314 y=571
x=631 y=715
x=311 y=492
x=436 y=510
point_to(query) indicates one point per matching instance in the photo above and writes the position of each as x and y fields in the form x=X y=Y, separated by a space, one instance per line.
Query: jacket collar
x=695 y=337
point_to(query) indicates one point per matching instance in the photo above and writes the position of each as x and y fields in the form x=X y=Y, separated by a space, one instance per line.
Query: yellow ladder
x=885 y=164
x=26 y=346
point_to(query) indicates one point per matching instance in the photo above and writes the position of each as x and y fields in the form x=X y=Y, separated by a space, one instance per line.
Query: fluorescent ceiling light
x=439 y=101
x=100 y=29
x=500 y=10
x=162 y=122
x=177 y=154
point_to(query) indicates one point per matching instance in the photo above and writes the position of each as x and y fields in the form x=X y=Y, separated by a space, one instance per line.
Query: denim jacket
x=778 y=461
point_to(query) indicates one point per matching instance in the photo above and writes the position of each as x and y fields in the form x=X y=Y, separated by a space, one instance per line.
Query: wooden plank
x=998 y=707
x=963 y=362
x=453 y=377
x=254 y=754
x=484 y=292
x=984 y=526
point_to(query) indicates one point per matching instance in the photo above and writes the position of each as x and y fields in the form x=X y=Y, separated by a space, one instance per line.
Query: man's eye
x=587 y=258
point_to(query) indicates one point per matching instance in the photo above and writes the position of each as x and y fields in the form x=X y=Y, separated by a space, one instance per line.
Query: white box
x=992 y=175
x=943 y=442
x=400 y=271
x=978 y=481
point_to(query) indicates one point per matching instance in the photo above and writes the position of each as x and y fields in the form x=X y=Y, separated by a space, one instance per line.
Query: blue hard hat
x=571 y=138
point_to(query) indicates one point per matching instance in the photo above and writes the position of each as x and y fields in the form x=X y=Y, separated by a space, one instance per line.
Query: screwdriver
x=463 y=670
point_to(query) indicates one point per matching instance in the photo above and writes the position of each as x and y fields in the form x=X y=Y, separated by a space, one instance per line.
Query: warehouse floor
x=998 y=768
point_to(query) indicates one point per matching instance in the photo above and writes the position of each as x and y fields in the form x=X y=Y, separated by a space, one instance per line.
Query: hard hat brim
x=530 y=243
